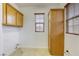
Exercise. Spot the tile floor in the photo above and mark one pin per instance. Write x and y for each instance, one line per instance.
(31, 52)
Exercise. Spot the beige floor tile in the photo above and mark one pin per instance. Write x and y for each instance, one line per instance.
(31, 52)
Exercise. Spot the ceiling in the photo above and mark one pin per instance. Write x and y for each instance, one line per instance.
(39, 4)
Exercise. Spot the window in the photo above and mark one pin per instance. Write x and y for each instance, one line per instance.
(39, 22)
(72, 22)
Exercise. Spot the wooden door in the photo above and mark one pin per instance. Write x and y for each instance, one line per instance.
(19, 19)
(57, 32)
(11, 15)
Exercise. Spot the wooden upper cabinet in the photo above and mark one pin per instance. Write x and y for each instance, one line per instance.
(4, 14)
(56, 32)
(19, 19)
(11, 16)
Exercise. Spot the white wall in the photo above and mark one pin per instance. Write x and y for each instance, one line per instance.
(1, 36)
(10, 37)
(71, 43)
(30, 38)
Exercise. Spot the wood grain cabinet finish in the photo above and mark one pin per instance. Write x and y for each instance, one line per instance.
(11, 16)
(56, 32)
(4, 14)
(19, 19)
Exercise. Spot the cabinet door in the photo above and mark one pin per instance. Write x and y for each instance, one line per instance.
(19, 19)
(4, 14)
(57, 32)
(11, 15)
(49, 32)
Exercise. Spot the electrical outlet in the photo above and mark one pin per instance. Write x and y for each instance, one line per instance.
(67, 50)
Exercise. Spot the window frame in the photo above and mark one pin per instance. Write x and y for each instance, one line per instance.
(40, 22)
(68, 19)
